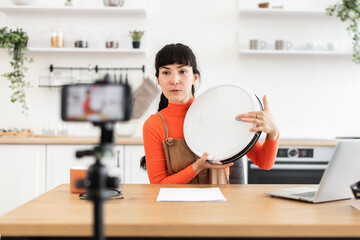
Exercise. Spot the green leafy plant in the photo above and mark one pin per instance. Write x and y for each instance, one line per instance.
(68, 3)
(16, 41)
(349, 11)
(136, 35)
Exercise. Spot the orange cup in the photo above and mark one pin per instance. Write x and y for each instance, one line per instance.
(77, 173)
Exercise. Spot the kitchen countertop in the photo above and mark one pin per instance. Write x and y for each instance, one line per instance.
(307, 142)
(71, 140)
(66, 140)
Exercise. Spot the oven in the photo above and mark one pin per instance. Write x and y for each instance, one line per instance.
(293, 165)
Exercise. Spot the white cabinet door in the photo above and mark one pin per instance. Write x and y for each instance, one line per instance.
(60, 158)
(133, 172)
(22, 174)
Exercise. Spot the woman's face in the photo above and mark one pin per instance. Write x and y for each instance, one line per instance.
(176, 81)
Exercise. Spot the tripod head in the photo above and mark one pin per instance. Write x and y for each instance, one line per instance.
(98, 181)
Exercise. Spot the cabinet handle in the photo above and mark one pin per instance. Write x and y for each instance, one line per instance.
(118, 158)
(294, 167)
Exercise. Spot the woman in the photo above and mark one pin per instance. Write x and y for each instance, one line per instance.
(168, 158)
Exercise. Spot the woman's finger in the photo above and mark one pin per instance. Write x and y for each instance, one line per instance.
(244, 115)
(257, 129)
(256, 113)
(250, 114)
(228, 165)
(219, 166)
(252, 120)
(203, 157)
(266, 104)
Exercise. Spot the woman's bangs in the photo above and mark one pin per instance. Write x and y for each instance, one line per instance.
(174, 55)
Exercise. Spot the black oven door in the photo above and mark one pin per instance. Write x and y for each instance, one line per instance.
(287, 173)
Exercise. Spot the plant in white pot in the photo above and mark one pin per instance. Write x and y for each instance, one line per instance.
(16, 42)
(349, 11)
(136, 38)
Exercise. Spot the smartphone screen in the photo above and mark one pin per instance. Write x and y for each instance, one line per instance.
(96, 102)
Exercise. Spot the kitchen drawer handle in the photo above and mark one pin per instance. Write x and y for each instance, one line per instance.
(294, 167)
(118, 158)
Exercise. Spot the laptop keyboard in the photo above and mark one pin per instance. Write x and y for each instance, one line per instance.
(305, 194)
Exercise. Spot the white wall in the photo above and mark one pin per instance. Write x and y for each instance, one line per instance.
(310, 96)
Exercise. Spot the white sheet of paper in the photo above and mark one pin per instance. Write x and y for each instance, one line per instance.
(190, 195)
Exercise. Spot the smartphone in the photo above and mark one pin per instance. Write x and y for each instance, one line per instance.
(96, 102)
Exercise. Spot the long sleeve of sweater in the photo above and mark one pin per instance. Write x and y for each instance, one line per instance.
(264, 154)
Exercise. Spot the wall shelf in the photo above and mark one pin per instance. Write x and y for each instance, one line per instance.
(86, 50)
(75, 10)
(284, 12)
(293, 52)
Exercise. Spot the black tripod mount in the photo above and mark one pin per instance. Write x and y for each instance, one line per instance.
(98, 182)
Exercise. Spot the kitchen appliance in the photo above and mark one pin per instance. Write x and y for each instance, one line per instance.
(294, 164)
(341, 172)
(211, 126)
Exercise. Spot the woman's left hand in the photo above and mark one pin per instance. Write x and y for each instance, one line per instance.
(263, 119)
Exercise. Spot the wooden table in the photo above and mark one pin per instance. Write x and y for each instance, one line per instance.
(248, 212)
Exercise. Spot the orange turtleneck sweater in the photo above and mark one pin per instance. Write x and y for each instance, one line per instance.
(262, 154)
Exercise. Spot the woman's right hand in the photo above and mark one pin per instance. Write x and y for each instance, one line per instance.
(201, 164)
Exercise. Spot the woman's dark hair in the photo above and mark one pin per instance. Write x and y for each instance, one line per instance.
(170, 54)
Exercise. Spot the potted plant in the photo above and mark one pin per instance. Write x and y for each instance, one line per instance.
(68, 3)
(136, 38)
(16, 42)
(349, 11)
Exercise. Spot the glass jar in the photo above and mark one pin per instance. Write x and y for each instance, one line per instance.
(57, 37)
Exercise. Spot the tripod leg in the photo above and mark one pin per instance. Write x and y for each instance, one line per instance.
(98, 220)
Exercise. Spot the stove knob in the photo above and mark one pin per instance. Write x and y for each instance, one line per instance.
(293, 152)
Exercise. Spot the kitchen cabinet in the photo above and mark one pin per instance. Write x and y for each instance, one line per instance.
(60, 158)
(22, 174)
(116, 165)
(124, 164)
(133, 172)
(27, 171)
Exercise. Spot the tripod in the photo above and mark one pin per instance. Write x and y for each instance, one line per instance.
(98, 181)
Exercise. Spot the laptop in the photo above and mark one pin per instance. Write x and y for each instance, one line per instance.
(342, 170)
